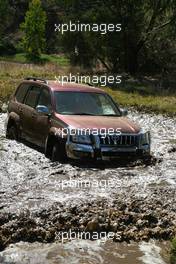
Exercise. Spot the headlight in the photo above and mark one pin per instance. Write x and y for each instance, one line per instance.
(145, 138)
(82, 139)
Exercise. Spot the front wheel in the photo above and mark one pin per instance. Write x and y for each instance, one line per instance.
(58, 152)
(12, 133)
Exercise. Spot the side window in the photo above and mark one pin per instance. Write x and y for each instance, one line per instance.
(45, 98)
(21, 92)
(32, 96)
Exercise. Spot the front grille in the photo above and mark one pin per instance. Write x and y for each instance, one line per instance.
(118, 140)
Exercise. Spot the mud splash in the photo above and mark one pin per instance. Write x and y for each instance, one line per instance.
(34, 206)
(88, 252)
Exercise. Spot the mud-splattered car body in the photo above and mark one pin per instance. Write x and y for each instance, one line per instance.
(67, 120)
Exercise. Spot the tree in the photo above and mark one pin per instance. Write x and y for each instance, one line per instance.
(3, 8)
(145, 24)
(34, 30)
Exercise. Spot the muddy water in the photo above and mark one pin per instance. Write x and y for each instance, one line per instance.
(144, 194)
(29, 180)
(86, 252)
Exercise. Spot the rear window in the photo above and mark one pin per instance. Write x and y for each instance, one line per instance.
(21, 92)
(32, 96)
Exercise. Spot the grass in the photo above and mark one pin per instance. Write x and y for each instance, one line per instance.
(11, 74)
(164, 104)
(143, 98)
(59, 60)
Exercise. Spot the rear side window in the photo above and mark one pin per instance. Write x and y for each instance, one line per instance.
(21, 92)
(32, 96)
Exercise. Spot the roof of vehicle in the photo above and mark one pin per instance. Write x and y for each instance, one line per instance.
(56, 86)
(66, 86)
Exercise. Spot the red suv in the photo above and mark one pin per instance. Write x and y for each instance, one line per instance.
(73, 120)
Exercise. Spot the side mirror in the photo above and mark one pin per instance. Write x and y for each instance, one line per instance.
(124, 112)
(42, 109)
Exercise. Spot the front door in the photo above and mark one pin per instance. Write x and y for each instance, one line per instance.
(41, 122)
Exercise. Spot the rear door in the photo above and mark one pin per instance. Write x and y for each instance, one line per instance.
(29, 112)
(18, 103)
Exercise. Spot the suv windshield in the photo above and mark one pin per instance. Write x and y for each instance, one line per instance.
(85, 103)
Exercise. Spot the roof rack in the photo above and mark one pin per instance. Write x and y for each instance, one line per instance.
(36, 79)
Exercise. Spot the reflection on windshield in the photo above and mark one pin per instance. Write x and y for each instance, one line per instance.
(85, 103)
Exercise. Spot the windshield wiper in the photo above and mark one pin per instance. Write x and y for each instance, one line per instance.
(111, 115)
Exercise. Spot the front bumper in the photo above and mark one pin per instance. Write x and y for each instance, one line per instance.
(83, 151)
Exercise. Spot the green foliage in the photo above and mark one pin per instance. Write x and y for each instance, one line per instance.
(44, 58)
(146, 43)
(146, 33)
(3, 14)
(34, 30)
(3, 22)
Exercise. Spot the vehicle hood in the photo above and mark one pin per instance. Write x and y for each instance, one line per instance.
(98, 122)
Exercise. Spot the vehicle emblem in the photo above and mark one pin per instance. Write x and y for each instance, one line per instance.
(115, 139)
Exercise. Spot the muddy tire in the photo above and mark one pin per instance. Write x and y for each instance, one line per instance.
(12, 133)
(58, 152)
